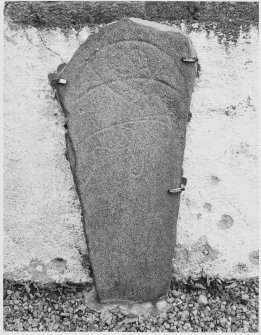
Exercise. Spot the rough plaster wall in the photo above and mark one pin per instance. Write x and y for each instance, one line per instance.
(218, 224)
(42, 221)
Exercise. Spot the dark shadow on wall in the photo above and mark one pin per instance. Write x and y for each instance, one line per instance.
(226, 18)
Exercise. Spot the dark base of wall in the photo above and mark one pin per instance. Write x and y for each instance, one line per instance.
(76, 14)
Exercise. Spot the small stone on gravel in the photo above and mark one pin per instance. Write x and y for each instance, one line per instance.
(170, 300)
(202, 300)
(245, 297)
(184, 315)
(176, 293)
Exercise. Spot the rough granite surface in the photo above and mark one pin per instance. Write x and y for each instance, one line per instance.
(127, 102)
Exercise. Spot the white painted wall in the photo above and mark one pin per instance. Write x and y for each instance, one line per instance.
(221, 162)
(42, 218)
(41, 211)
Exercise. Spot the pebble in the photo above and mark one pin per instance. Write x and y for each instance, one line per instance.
(245, 297)
(184, 315)
(212, 325)
(253, 317)
(195, 25)
(187, 325)
(170, 300)
(166, 325)
(223, 321)
(206, 313)
(176, 294)
(202, 300)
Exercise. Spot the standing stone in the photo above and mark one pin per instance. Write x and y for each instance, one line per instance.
(126, 100)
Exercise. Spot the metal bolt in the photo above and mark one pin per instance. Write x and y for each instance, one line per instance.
(62, 81)
(189, 60)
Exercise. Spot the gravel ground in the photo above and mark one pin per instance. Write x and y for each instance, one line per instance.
(202, 306)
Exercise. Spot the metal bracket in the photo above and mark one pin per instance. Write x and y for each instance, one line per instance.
(189, 60)
(58, 81)
(176, 190)
(179, 189)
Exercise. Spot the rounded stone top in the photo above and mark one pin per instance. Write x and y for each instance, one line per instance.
(164, 28)
(156, 25)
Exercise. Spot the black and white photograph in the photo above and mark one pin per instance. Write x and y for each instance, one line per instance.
(130, 166)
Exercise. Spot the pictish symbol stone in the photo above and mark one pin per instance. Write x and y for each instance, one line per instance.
(126, 100)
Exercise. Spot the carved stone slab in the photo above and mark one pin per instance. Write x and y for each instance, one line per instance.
(126, 99)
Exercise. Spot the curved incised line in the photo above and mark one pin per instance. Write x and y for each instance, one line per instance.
(127, 41)
(122, 123)
(101, 148)
(137, 41)
(129, 78)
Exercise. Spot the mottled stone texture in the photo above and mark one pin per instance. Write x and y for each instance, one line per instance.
(127, 101)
